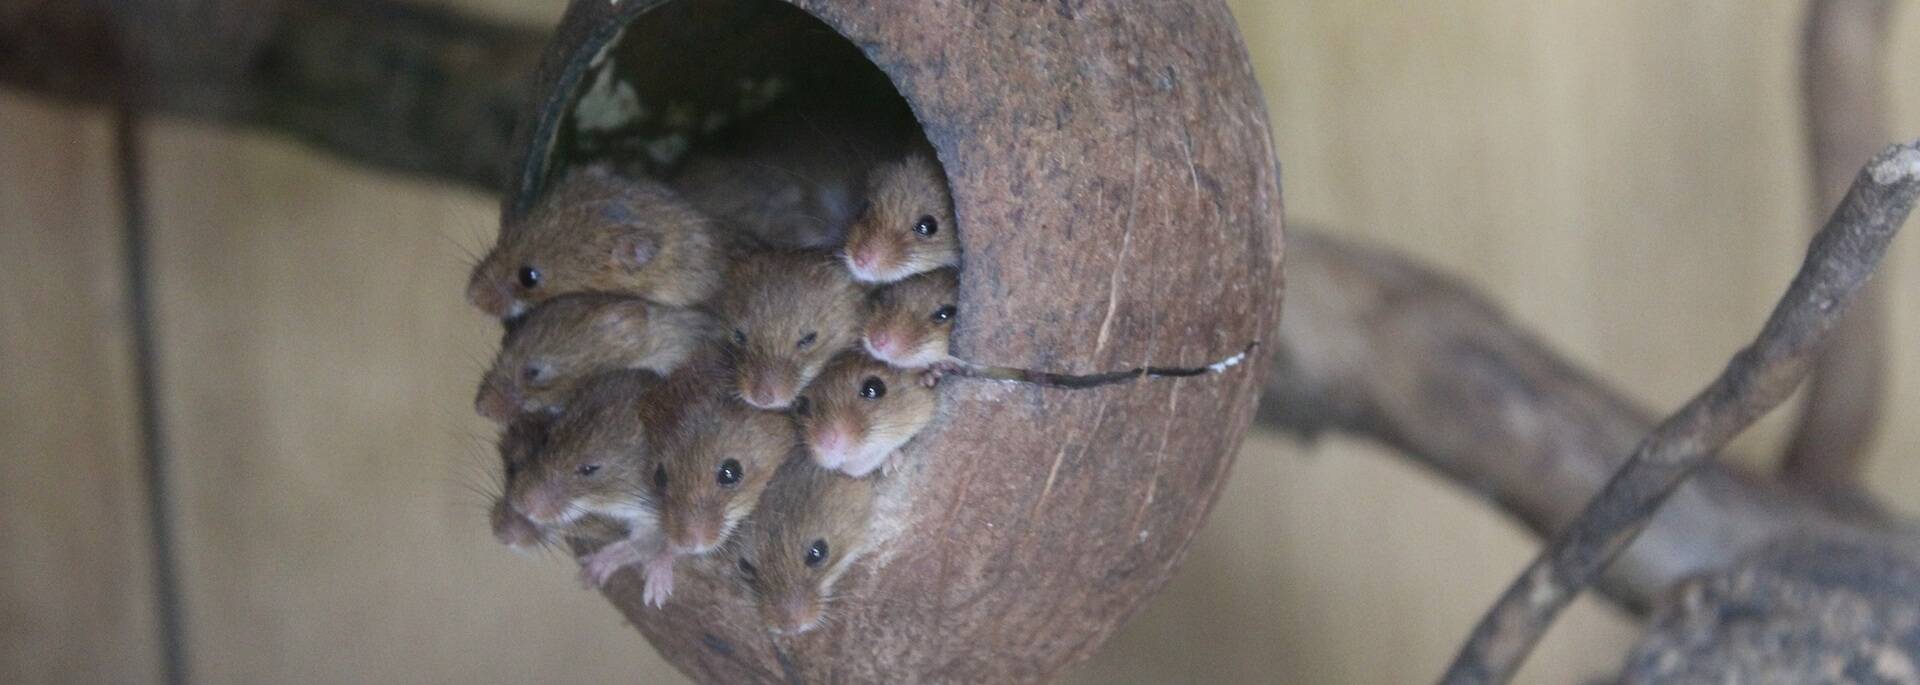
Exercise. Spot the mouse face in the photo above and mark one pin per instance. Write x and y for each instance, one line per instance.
(572, 337)
(711, 465)
(859, 411)
(910, 322)
(907, 226)
(812, 527)
(783, 315)
(596, 232)
(593, 461)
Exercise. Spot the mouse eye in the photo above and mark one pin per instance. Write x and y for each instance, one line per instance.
(729, 474)
(747, 569)
(802, 406)
(945, 314)
(660, 476)
(926, 226)
(739, 337)
(529, 277)
(817, 553)
(587, 469)
(513, 469)
(535, 373)
(806, 341)
(873, 388)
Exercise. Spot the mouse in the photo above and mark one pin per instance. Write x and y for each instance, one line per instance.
(860, 412)
(783, 315)
(812, 526)
(906, 225)
(569, 338)
(597, 231)
(711, 459)
(910, 322)
(593, 463)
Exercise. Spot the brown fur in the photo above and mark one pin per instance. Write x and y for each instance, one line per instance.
(569, 338)
(697, 513)
(871, 429)
(774, 300)
(882, 246)
(604, 428)
(901, 315)
(803, 504)
(597, 232)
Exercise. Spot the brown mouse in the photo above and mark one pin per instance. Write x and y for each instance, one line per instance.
(910, 322)
(569, 338)
(599, 232)
(784, 314)
(860, 411)
(907, 226)
(594, 462)
(711, 458)
(813, 525)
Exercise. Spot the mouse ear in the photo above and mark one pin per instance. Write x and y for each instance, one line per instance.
(635, 250)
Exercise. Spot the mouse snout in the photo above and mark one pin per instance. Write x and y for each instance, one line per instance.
(489, 296)
(882, 343)
(543, 506)
(765, 391)
(832, 443)
(695, 535)
(793, 615)
(496, 403)
(512, 528)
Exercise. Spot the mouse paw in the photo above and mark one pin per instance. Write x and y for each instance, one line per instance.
(659, 587)
(597, 568)
(891, 463)
(931, 377)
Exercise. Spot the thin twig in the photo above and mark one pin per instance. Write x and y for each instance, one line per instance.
(1844, 48)
(1843, 256)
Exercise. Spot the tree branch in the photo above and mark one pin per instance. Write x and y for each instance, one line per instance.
(391, 85)
(1840, 261)
(1844, 45)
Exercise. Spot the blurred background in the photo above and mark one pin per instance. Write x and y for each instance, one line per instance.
(1629, 179)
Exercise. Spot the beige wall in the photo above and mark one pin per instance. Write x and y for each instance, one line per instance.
(1626, 176)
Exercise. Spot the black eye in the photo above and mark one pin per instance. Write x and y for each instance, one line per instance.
(806, 340)
(926, 226)
(534, 373)
(802, 406)
(660, 477)
(587, 469)
(739, 337)
(945, 314)
(746, 568)
(817, 552)
(529, 277)
(873, 388)
(729, 474)
(512, 470)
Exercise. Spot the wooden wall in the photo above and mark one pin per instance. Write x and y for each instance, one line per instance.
(1627, 177)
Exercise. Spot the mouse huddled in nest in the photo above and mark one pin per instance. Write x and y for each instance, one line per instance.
(723, 363)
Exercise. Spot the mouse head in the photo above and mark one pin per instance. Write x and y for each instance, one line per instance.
(595, 231)
(783, 315)
(910, 322)
(570, 338)
(812, 527)
(907, 226)
(710, 466)
(593, 459)
(859, 411)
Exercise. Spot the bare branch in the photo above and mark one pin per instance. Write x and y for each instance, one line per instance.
(1844, 44)
(384, 83)
(1842, 258)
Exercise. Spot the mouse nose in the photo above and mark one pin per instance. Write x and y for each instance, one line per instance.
(765, 394)
(831, 444)
(496, 403)
(488, 297)
(512, 528)
(880, 343)
(696, 537)
(795, 615)
(542, 506)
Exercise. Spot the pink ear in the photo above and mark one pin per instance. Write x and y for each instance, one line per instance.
(636, 250)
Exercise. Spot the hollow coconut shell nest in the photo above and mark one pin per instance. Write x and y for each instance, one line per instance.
(1118, 204)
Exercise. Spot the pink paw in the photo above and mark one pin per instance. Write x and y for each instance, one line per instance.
(659, 581)
(597, 568)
